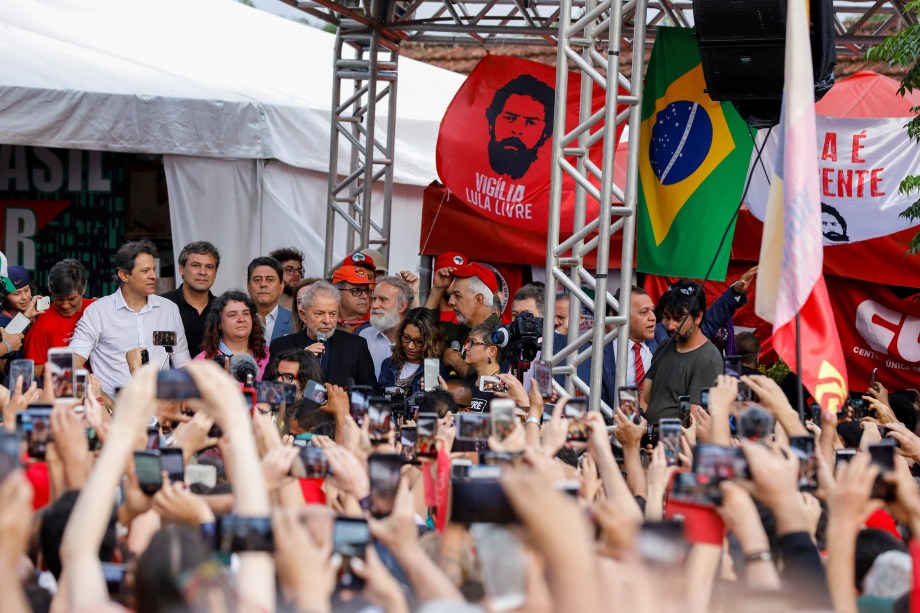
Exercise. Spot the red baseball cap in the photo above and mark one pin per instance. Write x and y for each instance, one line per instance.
(360, 259)
(452, 259)
(356, 275)
(475, 269)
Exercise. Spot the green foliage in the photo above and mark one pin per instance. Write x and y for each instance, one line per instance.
(903, 49)
(776, 371)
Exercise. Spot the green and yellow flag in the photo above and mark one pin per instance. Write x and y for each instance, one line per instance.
(693, 160)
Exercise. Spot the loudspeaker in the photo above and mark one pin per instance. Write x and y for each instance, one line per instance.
(743, 45)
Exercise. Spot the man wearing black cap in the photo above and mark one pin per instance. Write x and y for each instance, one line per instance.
(687, 364)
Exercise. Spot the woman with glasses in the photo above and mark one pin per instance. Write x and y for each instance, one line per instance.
(484, 357)
(232, 327)
(417, 338)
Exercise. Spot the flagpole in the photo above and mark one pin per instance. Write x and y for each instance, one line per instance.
(800, 392)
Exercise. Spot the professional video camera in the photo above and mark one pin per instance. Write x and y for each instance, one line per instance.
(521, 339)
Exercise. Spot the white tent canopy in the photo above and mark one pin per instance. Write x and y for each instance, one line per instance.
(194, 79)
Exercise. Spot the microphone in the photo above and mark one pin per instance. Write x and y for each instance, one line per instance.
(322, 338)
(455, 346)
(243, 368)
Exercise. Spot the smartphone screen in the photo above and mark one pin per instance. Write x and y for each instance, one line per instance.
(274, 393)
(543, 375)
(311, 463)
(426, 432)
(473, 426)
(501, 411)
(719, 463)
(9, 453)
(241, 534)
(81, 382)
(24, 369)
(164, 339)
(379, 413)
(172, 462)
(576, 410)
(628, 401)
(669, 433)
(34, 427)
(147, 468)
(492, 384)
(315, 392)
(683, 411)
(804, 448)
(407, 436)
(350, 538)
(61, 364)
(432, 371)
(704, 399)
(359, 396)
(732, 365)
(663, 543)
(176, 384)
(384, 472)
(153, 439)
(883, 457)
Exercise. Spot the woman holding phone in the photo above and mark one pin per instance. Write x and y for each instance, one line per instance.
(484, 357)
(417, 338)
(233, 326)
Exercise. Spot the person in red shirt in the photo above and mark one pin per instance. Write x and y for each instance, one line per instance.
(54, 327)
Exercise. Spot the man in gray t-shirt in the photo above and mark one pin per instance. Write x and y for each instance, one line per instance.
(685, 365)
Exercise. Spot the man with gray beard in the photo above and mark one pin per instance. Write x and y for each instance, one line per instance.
(389, 303)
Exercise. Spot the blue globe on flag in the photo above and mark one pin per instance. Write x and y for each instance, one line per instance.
(681, 139)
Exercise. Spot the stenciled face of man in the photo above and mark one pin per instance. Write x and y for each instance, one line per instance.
(641, 318)
(265, 286)
(199, 271)
(321, 316)
(461, 299)
(516, 136)
(832, 229)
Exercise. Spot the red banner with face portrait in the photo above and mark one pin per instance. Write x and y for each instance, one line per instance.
(495, 144)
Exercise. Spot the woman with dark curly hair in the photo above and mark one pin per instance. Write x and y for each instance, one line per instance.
(233, 326)
(417, 338)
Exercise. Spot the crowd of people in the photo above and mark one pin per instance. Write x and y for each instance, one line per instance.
(362, 443)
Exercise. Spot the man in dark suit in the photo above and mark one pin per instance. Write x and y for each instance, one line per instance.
(642, 345)
(344, 358)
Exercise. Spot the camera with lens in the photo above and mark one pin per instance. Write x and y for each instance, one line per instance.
(521, 338)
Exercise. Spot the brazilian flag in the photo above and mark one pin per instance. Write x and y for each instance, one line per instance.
(693, 160)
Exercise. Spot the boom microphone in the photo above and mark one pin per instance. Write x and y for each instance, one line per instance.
(243, 368)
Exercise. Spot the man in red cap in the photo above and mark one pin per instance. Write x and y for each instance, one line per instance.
(354, 282)
(470, 290)
(451, 259)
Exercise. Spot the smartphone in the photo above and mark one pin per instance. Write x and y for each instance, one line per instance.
(311, 463)
(492, 384)
(548, 409)
(145, 356)
(459, 467)
(245, 534)
(683, 411)
(114, 575)
(171, 461)
(874, 378)
(81, 383)
(426, 431)
(501, 458)
(315, 392)
(473, 430)
(164, 339)
(669, 433)
(576, 411)
(804, 448)
(860, 408)
(153, 439)
(61, 364)
(732, 365)
(34, 427)
(543, 375)
(816, 413)
(384, 470)
(147, 467)
(358, 396)
(704, 399)
(407, 436)
(431, 373)
(205, 474)
(718, 463)
(663, 544)
(24, 369)
(9, 453)
(628, 401)
(479, 498)
(501, 411)
(176, 384)
(275, 393)
(18, 324)
(883, 457)
(350, 539)
(844, 455)
(379, 414)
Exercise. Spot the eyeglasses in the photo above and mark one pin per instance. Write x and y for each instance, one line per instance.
(470, 343)
(357, 291)
(415, 342)
(290, 270)
(286, 377)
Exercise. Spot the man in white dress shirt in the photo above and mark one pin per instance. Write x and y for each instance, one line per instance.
(114, 329)
(389, 303)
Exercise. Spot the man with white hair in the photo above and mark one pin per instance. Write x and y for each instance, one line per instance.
(470, 293)
(344, 358)
(389, 302)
